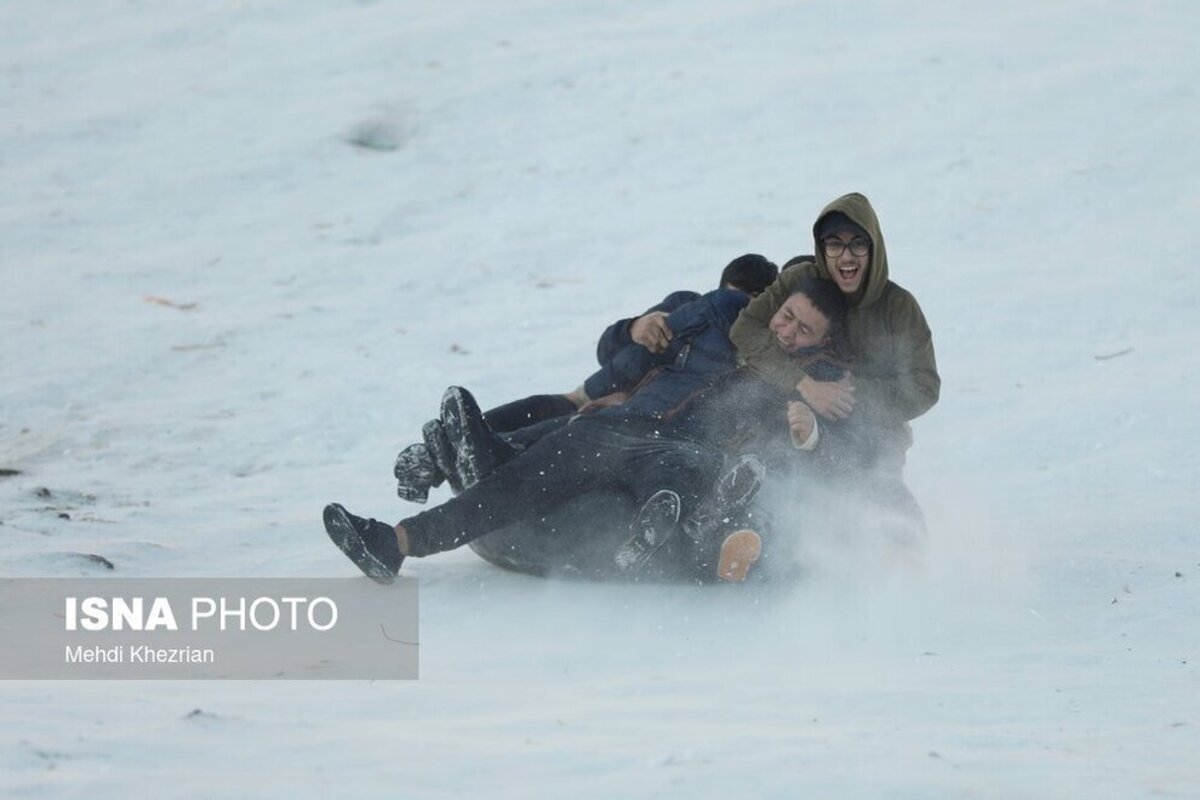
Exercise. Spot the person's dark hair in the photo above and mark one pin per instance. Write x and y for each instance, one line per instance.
(751, 273)
(831, 302)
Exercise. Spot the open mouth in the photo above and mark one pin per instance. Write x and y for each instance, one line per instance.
(848, 273)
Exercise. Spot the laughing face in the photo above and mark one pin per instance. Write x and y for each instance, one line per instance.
(798, 324)
(848, 256)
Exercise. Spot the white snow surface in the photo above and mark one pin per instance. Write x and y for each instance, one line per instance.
(553, 167)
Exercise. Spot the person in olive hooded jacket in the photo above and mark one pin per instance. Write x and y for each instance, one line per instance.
(893, 376)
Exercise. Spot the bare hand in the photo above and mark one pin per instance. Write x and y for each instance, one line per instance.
(651, 331)
(800, 421)
(833, 400)
(614, 399)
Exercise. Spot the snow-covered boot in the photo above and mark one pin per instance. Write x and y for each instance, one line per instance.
(727, 504)
(370, 544)
(651, 529)
(477, 448)
(416, 473)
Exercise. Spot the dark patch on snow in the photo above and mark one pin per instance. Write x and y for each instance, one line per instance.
(44, 754)
(99, 559)
(378, 135)
(199, 713)
(1117, 354)
(63, 498)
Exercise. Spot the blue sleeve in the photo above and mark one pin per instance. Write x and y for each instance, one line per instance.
(622, 363)
(674, 300)
(616, 336)
(624, 370)
(718, 308)
(727, 305)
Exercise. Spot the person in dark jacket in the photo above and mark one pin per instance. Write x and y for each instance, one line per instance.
(660, 456)
(627, 350)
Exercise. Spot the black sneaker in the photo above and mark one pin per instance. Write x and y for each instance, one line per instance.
(441, 453)
(370, 544)
(732, 492)
(738, 485)
(416, 473)
(651, 529)
(477, 448)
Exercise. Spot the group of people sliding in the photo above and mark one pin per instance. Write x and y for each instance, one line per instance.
(804, 376)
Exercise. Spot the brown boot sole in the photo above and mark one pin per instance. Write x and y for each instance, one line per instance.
(739, 551)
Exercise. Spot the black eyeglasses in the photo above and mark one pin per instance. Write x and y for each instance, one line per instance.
(835, 247)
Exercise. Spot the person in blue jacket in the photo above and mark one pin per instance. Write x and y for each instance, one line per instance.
(627, 350)
(635, 447)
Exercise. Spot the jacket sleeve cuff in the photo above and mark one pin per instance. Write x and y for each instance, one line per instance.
(814, 437)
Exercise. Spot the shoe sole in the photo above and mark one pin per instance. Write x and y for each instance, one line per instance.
(730, 497)
(415, 473)
(463, 423)
(660, 517)
(348, 540)
(412, 494)
(742, 484)
(739, 551)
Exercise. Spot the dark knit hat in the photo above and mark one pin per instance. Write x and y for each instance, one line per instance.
(837, 221)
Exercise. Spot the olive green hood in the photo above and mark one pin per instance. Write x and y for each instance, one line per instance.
(858, 208)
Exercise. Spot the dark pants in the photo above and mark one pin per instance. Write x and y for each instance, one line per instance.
(528, 411)
(522, 422)
(587, 454)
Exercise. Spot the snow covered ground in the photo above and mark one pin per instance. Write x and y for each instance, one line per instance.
(539, 170)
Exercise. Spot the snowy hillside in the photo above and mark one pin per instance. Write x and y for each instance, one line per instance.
(245, 245)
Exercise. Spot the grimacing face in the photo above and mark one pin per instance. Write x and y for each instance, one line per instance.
(847, 270)
(798, 324)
